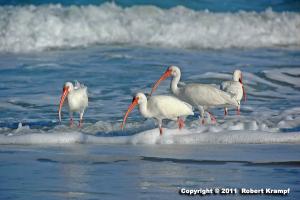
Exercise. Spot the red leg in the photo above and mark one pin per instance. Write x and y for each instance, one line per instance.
(160, 130)
(202, 121)
(238, 112)
(71, 122)
(180, 123)
(80, 123)
(212, 117)
(225, 111)
(80, 120)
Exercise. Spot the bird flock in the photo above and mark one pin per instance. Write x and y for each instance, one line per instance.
(184, 100)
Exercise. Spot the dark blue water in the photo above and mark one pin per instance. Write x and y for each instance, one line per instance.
(142, 172)
(214, 6)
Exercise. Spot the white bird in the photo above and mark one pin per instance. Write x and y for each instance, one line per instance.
(77, 100)
(235, 88)
(160, 107)
(201, 96)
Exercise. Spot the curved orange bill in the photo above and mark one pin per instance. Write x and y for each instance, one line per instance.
(163, 77)
(62, 99)
(244, 92)
(130, 108)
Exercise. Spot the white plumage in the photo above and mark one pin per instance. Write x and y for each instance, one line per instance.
(77, 100)
(235, 88)
(160, 107)
(201, 96)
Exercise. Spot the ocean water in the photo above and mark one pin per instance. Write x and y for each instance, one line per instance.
(120, 48)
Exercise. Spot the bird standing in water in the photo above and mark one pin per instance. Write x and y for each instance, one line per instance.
(160, 107)
(201, 96)
(77, 100)
(235, 88)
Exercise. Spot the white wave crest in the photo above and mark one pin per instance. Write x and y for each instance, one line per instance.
(35, 28)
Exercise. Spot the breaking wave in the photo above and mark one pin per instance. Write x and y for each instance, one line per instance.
(36, 28)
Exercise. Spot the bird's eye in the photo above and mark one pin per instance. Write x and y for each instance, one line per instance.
(135, 99)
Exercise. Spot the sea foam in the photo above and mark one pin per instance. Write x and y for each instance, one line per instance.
(170, 136)
(35, 28)
(233, 130)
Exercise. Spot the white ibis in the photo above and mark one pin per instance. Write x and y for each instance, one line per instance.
(77, 100)
(160, 107)
(235, 88)
(201, 96)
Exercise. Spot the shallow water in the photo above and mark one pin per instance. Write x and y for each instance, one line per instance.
(145, 171)
(117, 50)
(32, 83)
(101, 161)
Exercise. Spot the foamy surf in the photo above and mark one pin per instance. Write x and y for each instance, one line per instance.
(36, 28)
(259, 127)
(170, 136)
